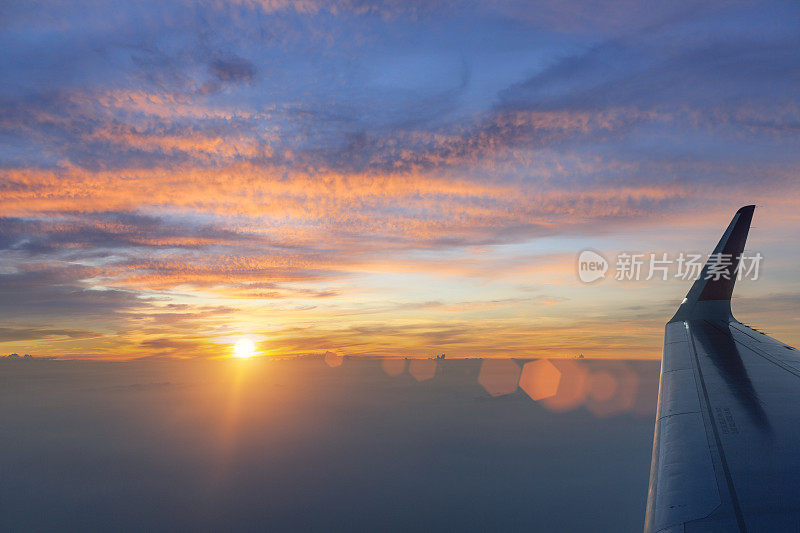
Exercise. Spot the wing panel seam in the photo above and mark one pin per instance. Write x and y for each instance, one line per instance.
(726, 471)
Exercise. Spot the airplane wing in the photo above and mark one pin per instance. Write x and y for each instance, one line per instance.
(726, 449)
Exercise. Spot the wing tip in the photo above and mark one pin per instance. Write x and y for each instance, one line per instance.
(711, 297)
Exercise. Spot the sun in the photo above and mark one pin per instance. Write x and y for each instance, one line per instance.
(244, 348)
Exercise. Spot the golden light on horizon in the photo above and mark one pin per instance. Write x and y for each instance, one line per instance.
(244, 348)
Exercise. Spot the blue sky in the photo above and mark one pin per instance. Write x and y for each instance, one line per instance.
(383, 178)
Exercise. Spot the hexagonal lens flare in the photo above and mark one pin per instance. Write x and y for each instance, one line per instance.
(499, 376)
(540, 379)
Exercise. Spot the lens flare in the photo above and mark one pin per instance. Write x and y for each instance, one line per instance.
(244, 348)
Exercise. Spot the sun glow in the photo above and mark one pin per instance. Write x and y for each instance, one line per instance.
(244, 348)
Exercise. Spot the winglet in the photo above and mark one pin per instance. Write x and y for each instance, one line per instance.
(710, 296)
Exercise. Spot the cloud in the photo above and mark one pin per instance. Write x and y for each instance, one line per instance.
(18, 334)
(232, 70)
(47, 291)
(305, 153)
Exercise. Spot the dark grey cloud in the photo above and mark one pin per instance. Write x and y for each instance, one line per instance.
(722, 72)
(95, 232)
(232, 70)
(39, 291)
(26, 334)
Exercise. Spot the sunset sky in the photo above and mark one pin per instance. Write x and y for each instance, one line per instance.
(385, 178)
